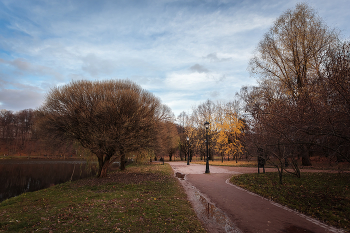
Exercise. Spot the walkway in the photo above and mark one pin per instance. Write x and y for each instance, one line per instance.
(241, 211)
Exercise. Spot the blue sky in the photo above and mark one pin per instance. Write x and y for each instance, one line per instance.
(184, 52)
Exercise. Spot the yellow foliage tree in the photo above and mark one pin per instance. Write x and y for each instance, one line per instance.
(228, 127)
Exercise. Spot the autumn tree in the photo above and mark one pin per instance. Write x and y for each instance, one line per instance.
(167, 135)
(224, 131)
(228, 128)
(110, 118)
(288, 62)
(172, 139)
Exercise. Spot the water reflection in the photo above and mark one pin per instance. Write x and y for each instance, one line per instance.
(19, 176)
(207, 211)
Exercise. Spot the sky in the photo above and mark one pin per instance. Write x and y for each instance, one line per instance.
(184, 52)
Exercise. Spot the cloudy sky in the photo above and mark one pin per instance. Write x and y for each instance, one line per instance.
(184, 52)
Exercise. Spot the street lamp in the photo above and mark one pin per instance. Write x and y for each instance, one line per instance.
(188, 155)
(206, 124)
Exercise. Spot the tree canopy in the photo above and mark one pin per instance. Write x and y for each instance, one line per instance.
(110, 118)
(299, 105)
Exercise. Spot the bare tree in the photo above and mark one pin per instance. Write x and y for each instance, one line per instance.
(290, 59)
(110, 118)
(167, 135)
(25, 122)
(168, 139)
(182, 119)
(331, 123)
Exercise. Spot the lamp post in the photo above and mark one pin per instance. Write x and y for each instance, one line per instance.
(206, 124)
(188, 155)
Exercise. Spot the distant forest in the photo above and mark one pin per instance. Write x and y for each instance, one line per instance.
(20, 137)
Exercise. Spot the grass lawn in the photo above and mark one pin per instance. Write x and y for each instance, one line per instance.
(229, 163)
(324, 196)
(143, 198)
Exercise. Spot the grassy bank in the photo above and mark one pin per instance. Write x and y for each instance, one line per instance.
(323, 196)
(239, 163)
(145, 198)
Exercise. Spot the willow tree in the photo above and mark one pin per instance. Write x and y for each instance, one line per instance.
(110, 118)
(291, 56)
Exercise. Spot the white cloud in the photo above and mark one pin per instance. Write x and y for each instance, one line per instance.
(16, 100)
(192, 81)
(183, 51)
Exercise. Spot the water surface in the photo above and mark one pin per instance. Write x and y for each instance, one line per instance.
(19, 176)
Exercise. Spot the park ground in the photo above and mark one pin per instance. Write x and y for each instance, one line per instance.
(151, 198)
(317, 202)
(146, 197)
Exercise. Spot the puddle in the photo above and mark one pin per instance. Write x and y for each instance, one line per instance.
(215, 215)
(180, 175)
(213, 218)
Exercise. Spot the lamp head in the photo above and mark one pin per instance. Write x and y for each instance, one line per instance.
(206, 124)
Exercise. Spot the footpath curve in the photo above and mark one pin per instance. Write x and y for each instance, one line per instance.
(224, 207)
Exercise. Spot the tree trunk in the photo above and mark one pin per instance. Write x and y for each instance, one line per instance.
(181, 156)
(170, 157)
(296, 167)
(102, 167)
(305, 159)
(122, 161)
(280, 174)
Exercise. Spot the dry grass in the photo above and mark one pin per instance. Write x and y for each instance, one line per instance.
(230, 163)
(325, 196)
(145, 198)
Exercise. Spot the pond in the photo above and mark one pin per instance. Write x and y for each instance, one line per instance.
(20, 176)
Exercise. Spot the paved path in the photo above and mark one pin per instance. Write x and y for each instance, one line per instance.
(247, 211)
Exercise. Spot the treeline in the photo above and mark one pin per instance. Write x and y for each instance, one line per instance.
(15, 130)
(301, 105)
(300, 108)
(20, 136)
(110, 120)
(225, 132)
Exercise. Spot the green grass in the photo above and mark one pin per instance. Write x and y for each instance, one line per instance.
(145, 198)
(324, 196)
(231, 163)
